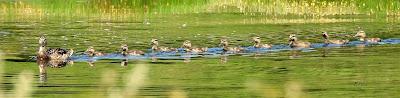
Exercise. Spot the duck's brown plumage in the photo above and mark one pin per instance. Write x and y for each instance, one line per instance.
(53, 57)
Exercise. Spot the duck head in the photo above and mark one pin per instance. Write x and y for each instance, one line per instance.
(187, 44)
(90, 51)
(154, 41)
(360, 34)
(224, 42)
(257, 39)
(124, 47)
(325, 35)
(42, 41)
(292, 38)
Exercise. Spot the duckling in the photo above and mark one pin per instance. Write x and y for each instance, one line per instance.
(257, 43)
(225, 46)
(295, 43)
(155, 47)
(55, 58)
(329, 41)
(187, 45)
(92, 52)
(363, 37)
(126, 51)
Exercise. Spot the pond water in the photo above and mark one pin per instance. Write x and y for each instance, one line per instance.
(352, 70)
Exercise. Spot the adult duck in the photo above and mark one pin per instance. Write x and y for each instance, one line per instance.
(53, 57)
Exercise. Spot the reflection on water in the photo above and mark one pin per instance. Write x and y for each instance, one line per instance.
(325, 51)
(91, 61)
(360, 48)
(43, 77)
(186, 57)
(223, 58)
(295, 53)
(124, 62)
(153, 58)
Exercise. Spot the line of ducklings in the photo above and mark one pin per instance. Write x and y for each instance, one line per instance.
(294, 42)
(58, 57)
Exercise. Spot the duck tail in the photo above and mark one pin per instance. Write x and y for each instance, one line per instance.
(70, 52)
(205, 49)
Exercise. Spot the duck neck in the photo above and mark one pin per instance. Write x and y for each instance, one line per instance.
(257, 44)
(362, 38)
(42, 49)
(225, 46)
(326, 40)
(124, 53)
(154, 47)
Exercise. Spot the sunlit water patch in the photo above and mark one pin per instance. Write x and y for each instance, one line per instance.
(216, 51)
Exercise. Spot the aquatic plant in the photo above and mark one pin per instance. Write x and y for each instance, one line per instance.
(128, 9)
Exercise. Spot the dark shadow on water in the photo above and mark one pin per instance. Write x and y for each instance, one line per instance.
(57, 92)
(114, 62)
(281, 59)
(314, 90)
(69, 85)
(43, 77)
(162, 62)
(19, 60)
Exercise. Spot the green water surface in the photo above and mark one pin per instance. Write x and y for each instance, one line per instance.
(371, 71)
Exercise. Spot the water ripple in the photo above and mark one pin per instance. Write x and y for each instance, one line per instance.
(218, 51)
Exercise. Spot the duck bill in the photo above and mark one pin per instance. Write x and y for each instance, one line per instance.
(290, 42)
(325, 36)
